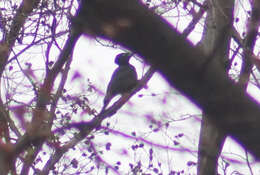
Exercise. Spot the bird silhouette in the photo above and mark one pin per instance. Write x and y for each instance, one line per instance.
(123, 79)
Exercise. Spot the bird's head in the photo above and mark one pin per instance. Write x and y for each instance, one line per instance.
(123, 58)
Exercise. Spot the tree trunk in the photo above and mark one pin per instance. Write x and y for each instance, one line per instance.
(216, 38)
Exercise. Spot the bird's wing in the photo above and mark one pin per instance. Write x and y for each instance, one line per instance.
(123, 79)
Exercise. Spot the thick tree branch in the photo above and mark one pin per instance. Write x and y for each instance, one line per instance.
(6, 45)
(185, 67)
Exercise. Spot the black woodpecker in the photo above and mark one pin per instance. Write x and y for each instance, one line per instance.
(123, 80)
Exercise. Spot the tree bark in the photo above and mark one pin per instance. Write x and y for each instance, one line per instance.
(217, 28)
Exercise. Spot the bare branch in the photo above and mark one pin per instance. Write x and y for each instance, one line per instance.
(196, 18)
(87, 128)
(252, 32)
(33, 134)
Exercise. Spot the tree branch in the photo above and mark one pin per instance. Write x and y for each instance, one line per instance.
(185, 67)
(87, 127)
(252, 32)
(40, 115)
